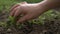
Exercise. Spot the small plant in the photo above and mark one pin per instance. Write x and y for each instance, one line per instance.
(26, 27)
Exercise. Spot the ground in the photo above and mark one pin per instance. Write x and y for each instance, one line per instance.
(49, 27)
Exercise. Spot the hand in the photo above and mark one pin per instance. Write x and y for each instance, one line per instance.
(30, 11)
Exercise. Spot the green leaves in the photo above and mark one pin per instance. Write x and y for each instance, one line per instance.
(11, 21)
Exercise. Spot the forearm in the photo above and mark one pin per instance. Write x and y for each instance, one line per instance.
(51, 3)
(48, 4)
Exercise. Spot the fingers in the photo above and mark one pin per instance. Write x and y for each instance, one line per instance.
(25, 18)
(18, 5)
(13, 11)
(17, 12)
(14, 6)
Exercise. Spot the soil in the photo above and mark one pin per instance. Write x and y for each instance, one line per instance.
(49, 27)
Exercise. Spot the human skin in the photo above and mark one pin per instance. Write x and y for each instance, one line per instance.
(31, 11)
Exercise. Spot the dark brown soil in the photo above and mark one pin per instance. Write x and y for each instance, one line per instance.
(49, 27)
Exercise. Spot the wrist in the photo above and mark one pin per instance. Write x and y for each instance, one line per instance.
(50, 4)
(43, 6)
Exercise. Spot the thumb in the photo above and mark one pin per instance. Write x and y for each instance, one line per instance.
(24, 18)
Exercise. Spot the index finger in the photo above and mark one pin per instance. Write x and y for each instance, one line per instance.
(14, 7)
